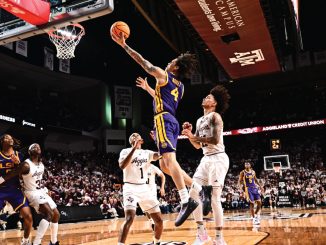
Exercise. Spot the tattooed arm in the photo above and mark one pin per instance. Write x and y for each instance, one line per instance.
(155, 71)
(217, 125)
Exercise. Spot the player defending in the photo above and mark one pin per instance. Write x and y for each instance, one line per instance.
(168, 92)
(135, 163)
(9, 183)
(32, 173)
(152, 172)
(248, 178)
(214, 165)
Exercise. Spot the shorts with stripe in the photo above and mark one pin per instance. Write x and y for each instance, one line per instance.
(212, 170)
(166, 132)
(14, 196)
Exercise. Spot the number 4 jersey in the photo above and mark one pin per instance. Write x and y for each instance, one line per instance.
(137, 171)
(32, 180)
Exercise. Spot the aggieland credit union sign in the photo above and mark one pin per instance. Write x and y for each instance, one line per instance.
(236, 33)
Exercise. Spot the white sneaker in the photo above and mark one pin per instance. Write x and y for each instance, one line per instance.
(219, 241)
(25, 243)
(201, 238)
(256, 221)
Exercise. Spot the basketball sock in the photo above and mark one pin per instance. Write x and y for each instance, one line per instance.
(121, 243)
(218, 234)
(201, 228)
(54, 232)
(42, 227)
(184, 195)
(156, 241)
(197, 187)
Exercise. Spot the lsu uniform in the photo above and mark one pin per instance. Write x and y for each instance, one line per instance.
(167, 97)
(135, 176)
(32, 189)
(10, 190)
(214, 166)
(251, 189)
(152, 172)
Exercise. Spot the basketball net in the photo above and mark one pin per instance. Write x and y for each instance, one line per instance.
(66, 39)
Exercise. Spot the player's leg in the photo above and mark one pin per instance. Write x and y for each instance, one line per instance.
(201, 235)
(47, 212)
(186, 177)
(157, 217)
(19, 202)
(124, 230)
(218, 168)
(54, 226)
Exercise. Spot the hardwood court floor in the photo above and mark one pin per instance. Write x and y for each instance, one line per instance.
(286, 226)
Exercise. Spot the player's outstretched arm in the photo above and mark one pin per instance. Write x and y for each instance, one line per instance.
(240, 181)
(19, 170)
(142, 83)
(155, 71)
(162, 189)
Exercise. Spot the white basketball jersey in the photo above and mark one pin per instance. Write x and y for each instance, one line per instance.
(32, 180)
(137, 171)
(152, 172)
(204, 128)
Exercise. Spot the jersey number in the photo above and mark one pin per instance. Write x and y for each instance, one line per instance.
(141, 173)
(38, 182)
(175, 93)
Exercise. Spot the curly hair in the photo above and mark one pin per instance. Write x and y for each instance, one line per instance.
(187, 64)
(222, 97)
(16, 141)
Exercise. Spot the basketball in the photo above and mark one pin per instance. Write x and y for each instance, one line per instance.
(120, 27)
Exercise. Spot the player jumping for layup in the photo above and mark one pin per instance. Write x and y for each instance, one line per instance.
(168, 93)
(249, 179)
(9, 183)
(135, 164)
(215, 163)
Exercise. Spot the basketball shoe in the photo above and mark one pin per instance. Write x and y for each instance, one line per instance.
(185, 211)
(201, 238)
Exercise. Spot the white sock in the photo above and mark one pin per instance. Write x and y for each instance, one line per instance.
(201, 228)
(197, 187)
(42, 227)
(156, 240)
(218, 234)
(54, 232)
(198, 212)
(184, 195)
(121, 243)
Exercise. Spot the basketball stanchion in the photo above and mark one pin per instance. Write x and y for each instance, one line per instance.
(66, 39)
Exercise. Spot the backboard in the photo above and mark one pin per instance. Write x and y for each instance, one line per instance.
(62, 12)
(276, 160)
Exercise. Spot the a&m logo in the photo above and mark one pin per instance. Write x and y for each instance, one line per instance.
(248, 58)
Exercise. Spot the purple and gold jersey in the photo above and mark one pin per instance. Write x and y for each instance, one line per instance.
(168, 95)
(6, 165)
(249, 179)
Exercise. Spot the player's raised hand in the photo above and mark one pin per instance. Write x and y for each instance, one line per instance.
(138, 142)
(142, 83)
(187, 125)
(187, 133)
(14, 159)
(119, 39)
(152, 134)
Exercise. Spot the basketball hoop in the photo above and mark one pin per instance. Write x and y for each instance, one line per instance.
(66, 39)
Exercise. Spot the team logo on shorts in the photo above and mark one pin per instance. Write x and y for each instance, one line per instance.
(162, 243)
(164, 145)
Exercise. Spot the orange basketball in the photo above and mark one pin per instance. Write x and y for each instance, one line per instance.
(120, 27)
